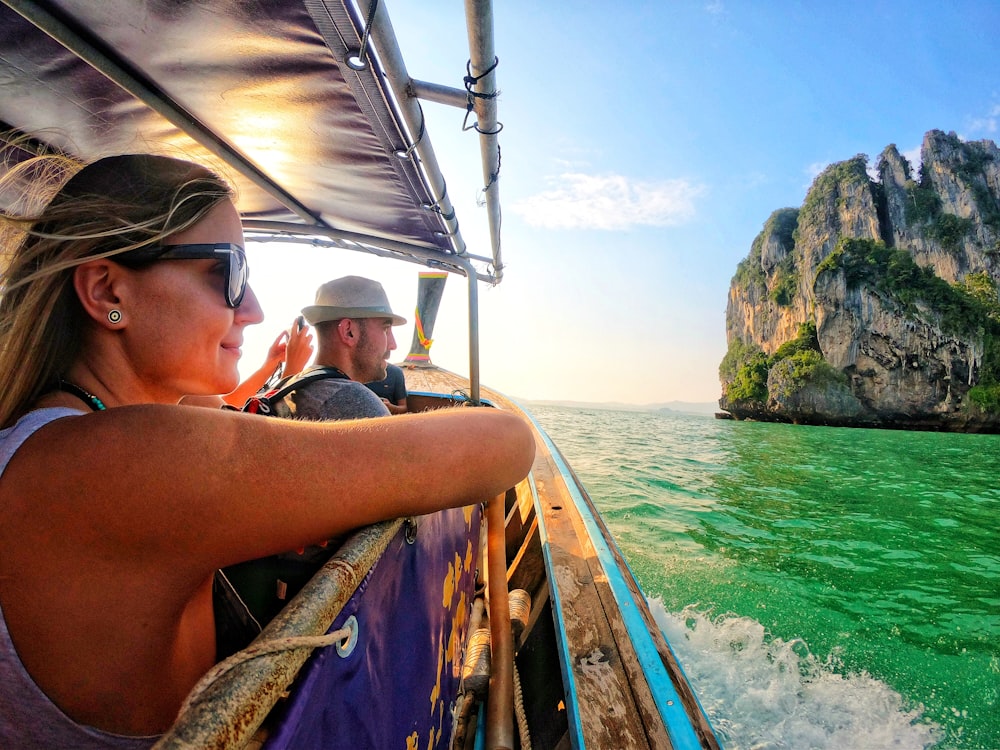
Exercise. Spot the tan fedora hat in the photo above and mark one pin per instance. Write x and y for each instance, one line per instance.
(350, 297)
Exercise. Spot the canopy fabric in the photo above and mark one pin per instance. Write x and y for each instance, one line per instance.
(260, 91)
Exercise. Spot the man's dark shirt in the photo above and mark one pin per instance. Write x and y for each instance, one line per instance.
(392, 387)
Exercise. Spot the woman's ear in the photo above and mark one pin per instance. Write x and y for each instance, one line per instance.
(95, 283)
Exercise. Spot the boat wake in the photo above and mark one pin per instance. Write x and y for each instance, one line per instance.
(764, 693)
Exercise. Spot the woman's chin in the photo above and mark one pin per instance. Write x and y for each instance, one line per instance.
(223, 385)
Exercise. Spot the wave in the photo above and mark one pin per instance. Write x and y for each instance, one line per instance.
(766, 693)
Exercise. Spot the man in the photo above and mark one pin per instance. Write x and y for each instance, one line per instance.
(391, 389)
(353, 324)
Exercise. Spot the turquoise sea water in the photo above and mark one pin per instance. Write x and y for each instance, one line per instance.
(823, 587)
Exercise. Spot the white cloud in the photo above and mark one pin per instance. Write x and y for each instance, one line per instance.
(611, 202)
(814, 169)
(912, 155)
(987, 124)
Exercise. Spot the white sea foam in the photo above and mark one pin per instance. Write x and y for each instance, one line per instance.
(765, 693)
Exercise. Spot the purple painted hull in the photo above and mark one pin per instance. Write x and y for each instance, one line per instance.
(398, 686)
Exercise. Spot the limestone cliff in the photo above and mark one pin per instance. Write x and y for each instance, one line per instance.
(875, 303)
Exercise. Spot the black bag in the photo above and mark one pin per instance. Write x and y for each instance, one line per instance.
(235, 625)
(272, 401)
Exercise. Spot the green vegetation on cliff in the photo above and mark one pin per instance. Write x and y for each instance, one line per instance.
(825, 193)
(986, 395)
(971, 169)
(804, 367)
(804, 341)
(779, 227)
(970, 309)
(743, 372)
(786, 282)
(923, 204)
(923, 208)
(949, 230)
(745, 368)
(894, 273)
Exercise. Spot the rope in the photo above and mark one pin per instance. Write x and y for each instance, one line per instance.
(406, 154)
(436, 205)
(257, 650)
(494, 176)
(362, 53)
(520, 610)
(476, 670)
(470, 81)
(522, 719)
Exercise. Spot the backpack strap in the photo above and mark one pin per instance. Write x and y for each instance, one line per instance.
(264, 402)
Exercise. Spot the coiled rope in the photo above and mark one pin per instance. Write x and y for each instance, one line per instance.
(522, 719)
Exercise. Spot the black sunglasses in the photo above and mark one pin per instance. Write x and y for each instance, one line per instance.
(236, 264)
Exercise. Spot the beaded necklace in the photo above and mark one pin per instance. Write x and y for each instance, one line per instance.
(88, 398)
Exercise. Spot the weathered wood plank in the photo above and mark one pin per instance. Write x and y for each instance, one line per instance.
(527, 569)
(611, 718)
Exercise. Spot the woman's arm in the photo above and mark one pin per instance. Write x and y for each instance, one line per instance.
(205, 488)
(114, 522)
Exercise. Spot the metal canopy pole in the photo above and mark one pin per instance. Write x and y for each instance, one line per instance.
(432, 258)
(473, 332)
(436, 92)
(383, 39)
(479, 19)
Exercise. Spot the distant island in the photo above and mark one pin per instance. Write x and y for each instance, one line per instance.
(669, 407)
(875, 304)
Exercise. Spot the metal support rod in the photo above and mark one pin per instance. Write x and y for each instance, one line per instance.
(473, 333)
(479, 19)
(500, 704)
(286, 232)
(435, 92)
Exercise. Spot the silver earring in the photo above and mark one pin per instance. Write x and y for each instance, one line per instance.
(115, 316)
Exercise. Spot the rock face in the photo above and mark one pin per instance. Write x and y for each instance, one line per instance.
(875, 303)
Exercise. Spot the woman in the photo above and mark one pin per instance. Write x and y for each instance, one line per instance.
(126, 293)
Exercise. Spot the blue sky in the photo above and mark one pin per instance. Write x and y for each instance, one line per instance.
(644, 146)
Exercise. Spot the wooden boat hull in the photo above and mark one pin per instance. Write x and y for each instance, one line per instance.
(621, 684)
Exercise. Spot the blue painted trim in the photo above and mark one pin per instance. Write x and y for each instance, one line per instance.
(570, 696)
(480, 743)
(668, 702)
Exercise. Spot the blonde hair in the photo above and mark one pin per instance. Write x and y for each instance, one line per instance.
(112, 206)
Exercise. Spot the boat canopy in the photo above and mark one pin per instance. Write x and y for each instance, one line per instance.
(304, 105)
